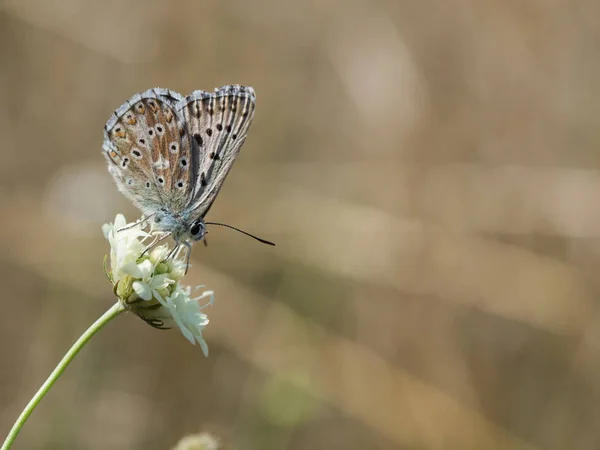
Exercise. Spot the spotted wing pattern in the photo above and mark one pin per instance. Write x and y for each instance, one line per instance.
(148, 151)
(170, 152)
(218, 123)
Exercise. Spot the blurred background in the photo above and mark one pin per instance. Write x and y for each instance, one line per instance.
(429, 171)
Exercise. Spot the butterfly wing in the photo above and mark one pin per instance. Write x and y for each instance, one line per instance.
(148, 151)
(217, 123)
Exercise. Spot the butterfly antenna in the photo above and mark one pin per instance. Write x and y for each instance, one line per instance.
(264, 241)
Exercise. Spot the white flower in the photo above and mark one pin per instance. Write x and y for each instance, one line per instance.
(125, 246)
(188, 315)
(147, 282)
(202, 441)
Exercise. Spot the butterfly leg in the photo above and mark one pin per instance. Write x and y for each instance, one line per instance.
(136, 223)
(156, 240)
(173, 250)
(189, 255)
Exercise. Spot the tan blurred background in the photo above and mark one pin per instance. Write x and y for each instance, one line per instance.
(429, 170)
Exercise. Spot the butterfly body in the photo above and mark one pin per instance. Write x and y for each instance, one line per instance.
(170, 154)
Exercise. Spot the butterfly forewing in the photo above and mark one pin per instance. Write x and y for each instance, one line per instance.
(218, 124)
(148, 150)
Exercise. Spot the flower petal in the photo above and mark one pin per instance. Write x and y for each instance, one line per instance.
(131, 268)
(146, 268)
(203, 345)
(142, 290)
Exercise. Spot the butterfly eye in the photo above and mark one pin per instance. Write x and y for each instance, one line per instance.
(197, 230)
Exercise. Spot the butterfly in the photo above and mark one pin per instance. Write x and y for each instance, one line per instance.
(170, 154)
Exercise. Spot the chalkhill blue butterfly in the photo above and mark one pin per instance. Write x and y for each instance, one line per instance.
(170, 154)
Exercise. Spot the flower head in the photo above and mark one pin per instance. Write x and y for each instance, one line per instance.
(147, 282)
(201, 441)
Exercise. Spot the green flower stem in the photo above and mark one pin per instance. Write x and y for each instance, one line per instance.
(113, 312)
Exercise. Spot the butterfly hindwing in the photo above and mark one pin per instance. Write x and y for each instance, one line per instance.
(218, 124)
(149, 153)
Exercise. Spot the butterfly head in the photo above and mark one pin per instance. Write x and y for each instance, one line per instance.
(181, 228)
